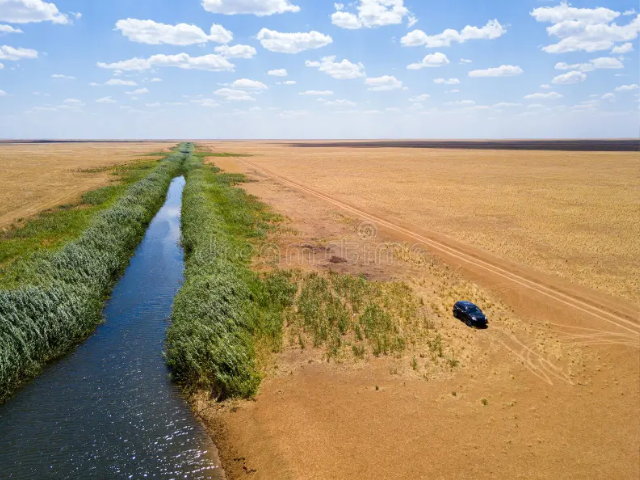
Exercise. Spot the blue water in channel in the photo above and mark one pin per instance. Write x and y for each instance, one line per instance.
(109, 409)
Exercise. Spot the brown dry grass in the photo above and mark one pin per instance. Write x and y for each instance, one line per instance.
(527, 399)
(36, 177)
(572, 214)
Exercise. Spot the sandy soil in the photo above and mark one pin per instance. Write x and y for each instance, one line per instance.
(36, 177)
(570, 214)
(562, 398)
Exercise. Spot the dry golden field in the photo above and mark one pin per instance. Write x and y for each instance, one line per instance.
(547, 391)
(572, 214)
(36, 177)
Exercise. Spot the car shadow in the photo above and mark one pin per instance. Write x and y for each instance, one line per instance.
(477, 327)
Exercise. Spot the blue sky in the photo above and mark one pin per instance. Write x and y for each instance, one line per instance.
(318, 69)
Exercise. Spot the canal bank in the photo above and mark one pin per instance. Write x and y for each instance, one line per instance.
(109, 409)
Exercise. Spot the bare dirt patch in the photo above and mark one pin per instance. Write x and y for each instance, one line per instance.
(527, 398)
(36, 177)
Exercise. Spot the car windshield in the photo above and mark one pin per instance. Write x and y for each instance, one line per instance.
(473, 309)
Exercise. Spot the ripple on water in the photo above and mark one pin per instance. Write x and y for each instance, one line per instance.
(109, 410)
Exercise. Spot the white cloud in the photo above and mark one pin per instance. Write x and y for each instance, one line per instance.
(1, 66)
(607, 62)
(73, 101)
(251, 7)
(236, 51)
(338, 103)
(501, 71)
(9, 29)
(138, 91)
(432, 60)
(246, 84)
(570, 77)
(420, 98)
(234, 95)
(626, 88)
(451, 81)
(281, 72)
(544, 96)
(564, 11)
(343, 70)
(287, 82)
(317, 93)
(545, 85)
(31, 11)
(156, 79)
(11, 53)
(292, 42)
(490, 31)
(2, 93)
(621, 49)
(608, 96)
(452, 91)
(382, 84)
(465, 60)
(118, 82)
(584, 29)
(61, 76)
(602, 62)
(631, 11)
(153, 105)
(206, 102)
(346, 20)
(153, 33)
(372, 13)
(214, 63)
(105, 100)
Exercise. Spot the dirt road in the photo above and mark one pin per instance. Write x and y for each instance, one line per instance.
(582, 313)
(550, 390)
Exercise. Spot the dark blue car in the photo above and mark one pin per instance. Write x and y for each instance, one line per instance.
(470, 314)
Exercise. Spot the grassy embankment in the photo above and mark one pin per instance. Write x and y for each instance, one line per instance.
(222, 305)
(58, 268)
(226, 314)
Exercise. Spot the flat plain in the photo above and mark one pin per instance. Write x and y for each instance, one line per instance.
(573, 214)
(39, 176)
(549, 390)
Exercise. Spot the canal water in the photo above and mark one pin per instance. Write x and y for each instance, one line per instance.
(109, 410)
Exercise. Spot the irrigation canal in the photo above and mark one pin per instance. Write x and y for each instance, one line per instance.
(109, 410)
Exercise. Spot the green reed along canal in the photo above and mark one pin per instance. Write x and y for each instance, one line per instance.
(109, 409)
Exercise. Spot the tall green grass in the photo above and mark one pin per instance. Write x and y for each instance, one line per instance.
(223, 307)
(226, 316)
(347, 314)
(60, 294)
(52, 229)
